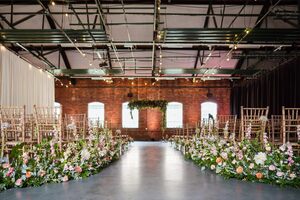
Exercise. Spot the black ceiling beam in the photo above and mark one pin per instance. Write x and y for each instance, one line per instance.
(258, 23)
(146, 48)
(195, 2)
(27, 18)
(61, 50)
(32, 49)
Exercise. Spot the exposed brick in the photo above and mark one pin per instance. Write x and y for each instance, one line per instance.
(75, 99)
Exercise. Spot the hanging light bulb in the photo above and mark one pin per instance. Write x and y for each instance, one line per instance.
(66, 14)
(235, 47)
(53, 3)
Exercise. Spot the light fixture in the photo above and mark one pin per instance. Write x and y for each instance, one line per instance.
(210, 96)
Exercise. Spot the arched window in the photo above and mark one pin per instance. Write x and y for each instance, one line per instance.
(96, 113)
(127, 121)
(208, 108)
(174, 115)
(57, 109)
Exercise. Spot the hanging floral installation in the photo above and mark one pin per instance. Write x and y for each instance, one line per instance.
(146, 104)
(46, 163)
(249, 160)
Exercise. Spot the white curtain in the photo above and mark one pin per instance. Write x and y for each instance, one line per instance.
(22, 84)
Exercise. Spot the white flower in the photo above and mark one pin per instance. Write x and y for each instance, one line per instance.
(224, 155)
(251, 165)
(85, 154)
(260, 158)
(5, 125)
(292, 175)
(268, 148)
(233, 162)
(71, 126)
(282, 147)
(118, 132)
(212, 167)
(279, 174)
(272, 168)
(263, 118)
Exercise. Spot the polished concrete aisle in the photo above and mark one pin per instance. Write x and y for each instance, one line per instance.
(153, 171)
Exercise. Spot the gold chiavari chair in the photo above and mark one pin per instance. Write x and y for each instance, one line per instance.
(48, 123)
(290, 126)
(257, 117)
(74, 126)
(276, 129)
(222, 120)
(12, 121)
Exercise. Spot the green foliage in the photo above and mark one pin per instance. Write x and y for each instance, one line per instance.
(46, 163)
(146, 104)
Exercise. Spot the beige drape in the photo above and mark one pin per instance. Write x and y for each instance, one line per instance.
(22, 84)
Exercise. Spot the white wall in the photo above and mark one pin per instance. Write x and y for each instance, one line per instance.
(22, 84)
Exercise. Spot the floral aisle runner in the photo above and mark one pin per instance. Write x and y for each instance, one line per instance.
(246, 160)
(45, 163)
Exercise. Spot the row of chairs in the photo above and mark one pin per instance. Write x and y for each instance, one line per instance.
(45, 122)
(280, 128)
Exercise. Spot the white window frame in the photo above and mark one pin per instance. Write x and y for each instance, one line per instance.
(170, 123)
(127, 121)
(99, 117)
(207, 108)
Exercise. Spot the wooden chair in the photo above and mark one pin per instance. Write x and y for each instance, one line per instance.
(290, 123)
(256, 117)
(276, 130)
(48, 123)
(12, 120)
(74, 124)
(222, 120)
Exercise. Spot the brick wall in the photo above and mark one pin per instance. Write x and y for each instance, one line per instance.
(75, 99)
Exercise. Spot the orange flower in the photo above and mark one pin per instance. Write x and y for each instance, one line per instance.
(218, 160)
(239, 170)
(28, 174)
(259, 175)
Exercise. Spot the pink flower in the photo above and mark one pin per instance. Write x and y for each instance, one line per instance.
(10, 171)
(290, 161)
(71, 168)
(42, 173)
(272, 168)
(251, 165)
(279, 174)
(65, 178)
(18, 182)
(78, 169)
(25, 161)
(6, 165)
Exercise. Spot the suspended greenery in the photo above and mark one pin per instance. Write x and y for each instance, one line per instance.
(145, 104)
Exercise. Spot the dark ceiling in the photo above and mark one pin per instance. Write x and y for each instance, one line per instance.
(207, 39)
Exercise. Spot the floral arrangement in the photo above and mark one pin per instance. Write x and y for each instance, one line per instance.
(145, 104)
(248, 160)
(45, 163)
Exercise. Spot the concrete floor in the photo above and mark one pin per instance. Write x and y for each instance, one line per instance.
(153, 171)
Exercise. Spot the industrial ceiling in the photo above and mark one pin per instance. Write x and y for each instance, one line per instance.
(207, 39)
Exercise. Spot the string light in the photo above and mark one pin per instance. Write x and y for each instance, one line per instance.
(66, 14)
(235, 47)
(53, 3)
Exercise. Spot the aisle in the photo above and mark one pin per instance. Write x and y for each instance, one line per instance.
(153, 171)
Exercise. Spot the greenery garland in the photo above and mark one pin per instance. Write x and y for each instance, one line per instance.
(145, 104)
